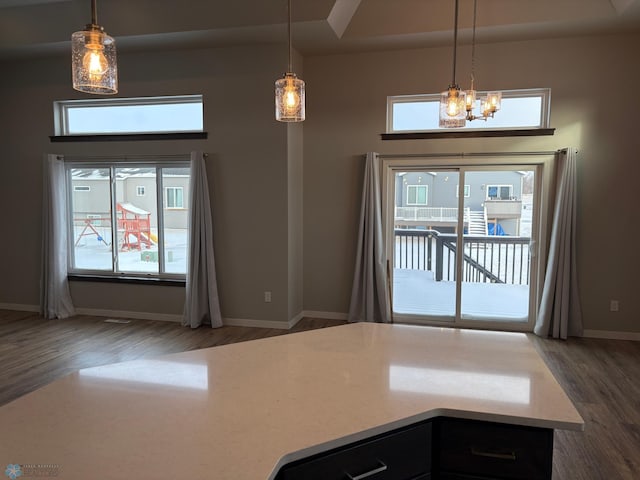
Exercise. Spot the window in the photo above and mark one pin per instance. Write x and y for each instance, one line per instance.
(467, 191)
(116, 231)
(173, 197)
(499, 192)
(81, 188)
(417, 194)
(129, 115)
(521, 109)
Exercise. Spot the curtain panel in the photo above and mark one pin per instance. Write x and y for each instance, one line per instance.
(370, 299)
(55, 298)
(560, 314)
(202, 305)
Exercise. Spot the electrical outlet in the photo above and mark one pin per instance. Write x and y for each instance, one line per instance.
(614, 306)
(267, 297)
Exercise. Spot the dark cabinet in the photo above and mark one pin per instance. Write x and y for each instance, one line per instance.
(400, 455)
(483, 450)
(438, 449)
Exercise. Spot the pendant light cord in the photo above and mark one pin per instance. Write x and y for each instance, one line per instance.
(289, 35)
(473, 45)
(94, 13)
(455, 43)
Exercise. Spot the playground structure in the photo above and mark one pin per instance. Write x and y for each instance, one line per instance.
(134, 228)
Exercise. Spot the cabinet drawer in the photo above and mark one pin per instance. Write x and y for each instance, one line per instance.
(491, 450)
(399, 455)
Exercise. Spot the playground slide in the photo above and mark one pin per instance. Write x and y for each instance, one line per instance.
(152, 237)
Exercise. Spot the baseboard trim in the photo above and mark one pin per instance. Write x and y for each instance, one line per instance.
(96, 312)
(250, 322)
(612, 335)
(19, 307)
(326, 315)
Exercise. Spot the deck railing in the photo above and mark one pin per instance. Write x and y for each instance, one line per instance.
(424, 214)
(487, 258)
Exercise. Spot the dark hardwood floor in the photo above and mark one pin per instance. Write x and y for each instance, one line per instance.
(602, 377)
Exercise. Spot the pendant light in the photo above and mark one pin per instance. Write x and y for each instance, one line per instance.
(452, 101)
(93, 59)
(490, 104)
(290, 100)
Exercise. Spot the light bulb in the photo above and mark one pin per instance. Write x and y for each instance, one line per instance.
(94, 61)
(291, 97)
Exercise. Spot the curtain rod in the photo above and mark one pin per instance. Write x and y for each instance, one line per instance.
(462, 154)
(143, 157)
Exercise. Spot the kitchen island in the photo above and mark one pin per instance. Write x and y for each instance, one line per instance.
(245, 411)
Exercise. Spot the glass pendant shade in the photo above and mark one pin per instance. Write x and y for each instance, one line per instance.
(494, 100)
(290, 99)
(470, 100)
(453, 108)
(93, 60)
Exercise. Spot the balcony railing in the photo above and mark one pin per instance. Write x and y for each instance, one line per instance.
(426, 214)
(486, 259)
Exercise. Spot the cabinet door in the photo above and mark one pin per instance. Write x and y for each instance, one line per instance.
(400, 455)
(470, 449)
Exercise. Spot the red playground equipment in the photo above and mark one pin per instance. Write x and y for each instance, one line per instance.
(134, 227)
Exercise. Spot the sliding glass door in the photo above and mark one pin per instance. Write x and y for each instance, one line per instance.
(463, 243)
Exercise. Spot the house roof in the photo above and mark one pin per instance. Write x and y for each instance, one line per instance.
(36, 27)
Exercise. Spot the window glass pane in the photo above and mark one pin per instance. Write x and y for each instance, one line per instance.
(137, 220)
(411, 194)
(98, 119)
(91, 219)
(176, 217)
(411, 116)
(422, 195)
(519, 109)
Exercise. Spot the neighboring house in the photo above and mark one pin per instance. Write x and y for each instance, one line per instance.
(493, 199)
(90, 195)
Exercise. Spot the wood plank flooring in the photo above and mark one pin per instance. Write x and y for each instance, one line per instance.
(602, 377)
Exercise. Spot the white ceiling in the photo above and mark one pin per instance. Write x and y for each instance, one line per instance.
(36, 27)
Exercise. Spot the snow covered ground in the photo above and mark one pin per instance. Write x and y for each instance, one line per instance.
(93, 252)
(415, 292)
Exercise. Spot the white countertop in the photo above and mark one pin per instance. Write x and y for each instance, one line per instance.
(241, 411)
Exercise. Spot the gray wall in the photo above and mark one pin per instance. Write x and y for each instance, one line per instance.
(346, 101)
(347, 113)
(247, 152)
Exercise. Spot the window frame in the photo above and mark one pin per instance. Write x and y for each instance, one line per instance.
(426, 196)
(61, 110)
(499, 186)
(545, 111)
(114, 274)
(141, 191)
(166, 197)
(467, 191)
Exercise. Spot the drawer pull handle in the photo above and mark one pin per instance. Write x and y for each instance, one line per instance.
(502, 456)
(370, 473)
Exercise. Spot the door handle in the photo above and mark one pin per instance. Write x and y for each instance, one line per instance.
(381, 468)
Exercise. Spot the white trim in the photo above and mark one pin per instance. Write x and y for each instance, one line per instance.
(250, 322)
(325, 315)
(296, 319)
(98, 312)
(610, 335)
(20, 307)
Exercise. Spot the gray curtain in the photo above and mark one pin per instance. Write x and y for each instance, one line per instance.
(560, 314)
(202, 304)
(370, 300)
(55, 298)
